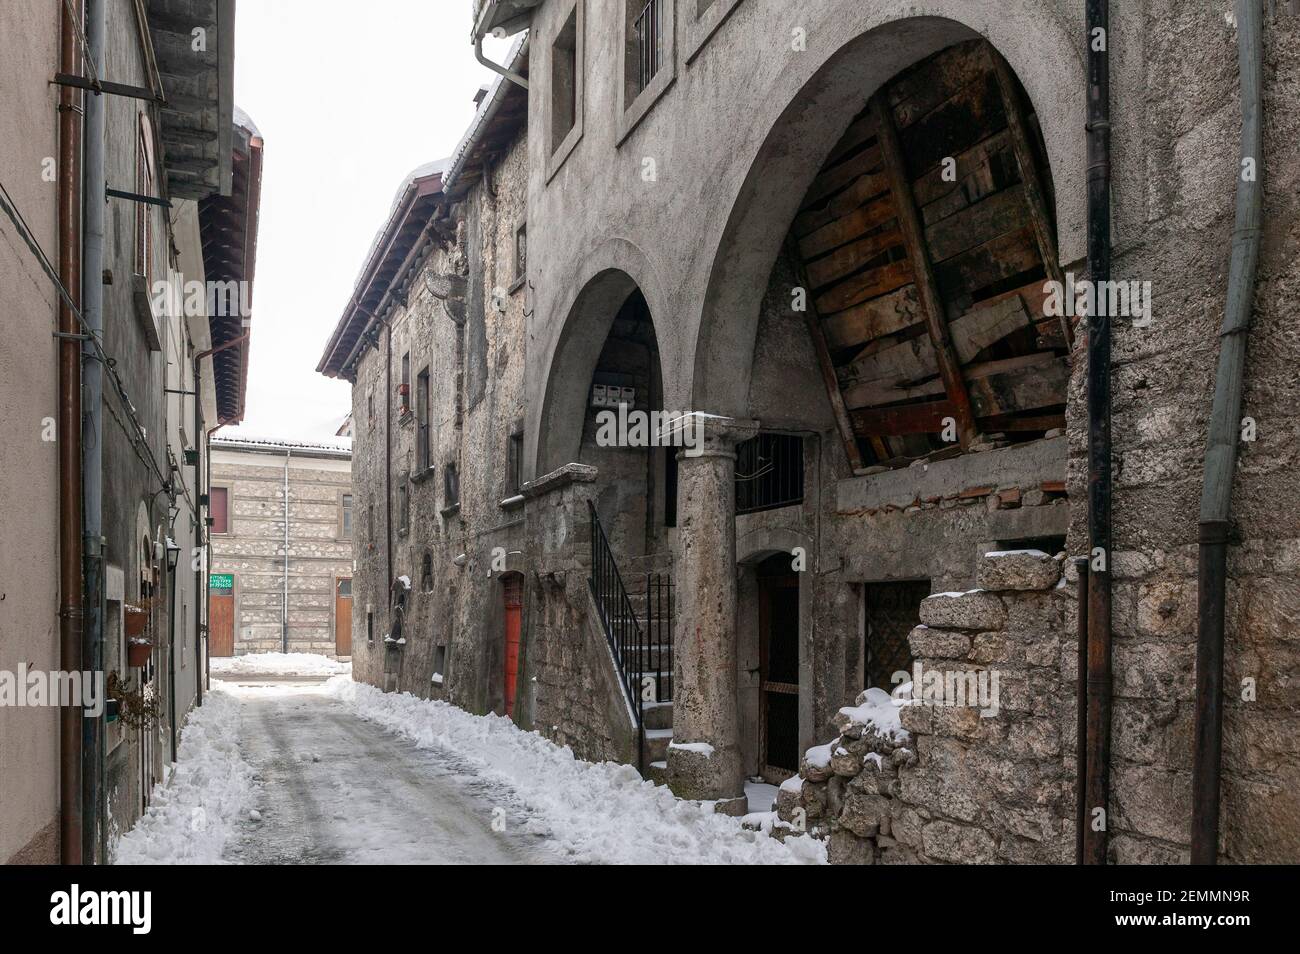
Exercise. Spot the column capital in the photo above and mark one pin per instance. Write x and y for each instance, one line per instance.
(706, 435)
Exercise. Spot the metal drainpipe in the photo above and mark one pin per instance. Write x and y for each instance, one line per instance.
(284, 605)
(1097, 786)
(92, 441)
(200, 530)
(1221, 449)
(70, 556)
(509, 74)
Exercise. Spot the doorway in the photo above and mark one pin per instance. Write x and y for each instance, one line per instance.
(892, 611)
(513, 597)
(343, 616)
(221, 623)
(778, 634)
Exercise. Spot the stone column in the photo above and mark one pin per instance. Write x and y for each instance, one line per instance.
(704, 761)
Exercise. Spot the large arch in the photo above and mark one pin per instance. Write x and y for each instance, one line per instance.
(811, 111)
(608, 277)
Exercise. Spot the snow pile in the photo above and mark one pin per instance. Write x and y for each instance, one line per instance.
(193, 814)
(878, 710)
(592, 812)
(279, 664)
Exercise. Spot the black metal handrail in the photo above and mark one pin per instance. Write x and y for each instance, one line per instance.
(659, 631)
(637, 652)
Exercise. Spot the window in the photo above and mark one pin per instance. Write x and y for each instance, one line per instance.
(564, 81)
(515, 464)
(645, 53)
(370, 526)
(450, 486)
(219, 509)
(403, 505)
(370, 405)
(649, 59)
(521, 252)
(769, 472)
(439, 662)
(143, 186)
(404, 389)
(370, 624)
(423, 413)
(426, 573)
(345, 516)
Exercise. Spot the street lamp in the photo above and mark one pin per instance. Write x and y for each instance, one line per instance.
(173, 556)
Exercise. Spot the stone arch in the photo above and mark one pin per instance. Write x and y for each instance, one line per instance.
(760, 543)
(813, 107)
(606, 278)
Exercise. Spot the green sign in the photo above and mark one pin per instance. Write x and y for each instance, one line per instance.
(221, 581)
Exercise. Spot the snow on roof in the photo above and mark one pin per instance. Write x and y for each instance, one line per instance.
(243, 120)
(423, 171)
(487, 106)
(233, 439)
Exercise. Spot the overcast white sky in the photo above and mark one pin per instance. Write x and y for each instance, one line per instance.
(349, 96)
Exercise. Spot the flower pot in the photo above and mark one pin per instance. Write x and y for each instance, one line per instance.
(138, 652)
(135, 620)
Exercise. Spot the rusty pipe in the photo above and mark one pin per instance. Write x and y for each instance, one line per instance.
(1097, 776)
(70, 569)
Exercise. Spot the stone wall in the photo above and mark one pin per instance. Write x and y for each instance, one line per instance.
(980, 772)
(253, 550)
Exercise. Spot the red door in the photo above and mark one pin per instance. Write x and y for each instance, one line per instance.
(514, 604)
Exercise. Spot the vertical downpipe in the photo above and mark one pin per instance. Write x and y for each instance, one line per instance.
(92, 441)
(1221, 449)
(70, 556)
(1097, 789)
(284, 605)
(200, 530)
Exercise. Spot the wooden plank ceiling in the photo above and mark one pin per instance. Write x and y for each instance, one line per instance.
(926, 295)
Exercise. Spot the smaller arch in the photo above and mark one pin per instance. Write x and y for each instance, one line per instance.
(603, 279)
(756, 545)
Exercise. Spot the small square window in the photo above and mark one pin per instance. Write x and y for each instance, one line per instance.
(345, 516)
(521, 251)
(565, 80)
(404, 505)
(219, 509)
(515, 464)
(450, 486)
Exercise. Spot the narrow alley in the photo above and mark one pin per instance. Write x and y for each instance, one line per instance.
(317, 769)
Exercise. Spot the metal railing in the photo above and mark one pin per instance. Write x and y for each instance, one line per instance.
(659, 635)
(647, 30)
(769, 472)
(638, 653)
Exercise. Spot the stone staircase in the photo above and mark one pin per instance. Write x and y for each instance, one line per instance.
(649, 603)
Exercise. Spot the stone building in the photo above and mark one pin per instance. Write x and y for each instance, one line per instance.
(114, 371)
(823, 239)
(281, 569)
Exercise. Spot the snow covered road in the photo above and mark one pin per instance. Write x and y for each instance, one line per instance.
(317, 769)
(335, 789)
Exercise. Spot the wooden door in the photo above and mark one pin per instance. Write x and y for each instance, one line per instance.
(778, 626)
(513, 593)
(343, 617)
(221, 624)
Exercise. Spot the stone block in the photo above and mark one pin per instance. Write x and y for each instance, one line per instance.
(845, 848)
(937, 643)
(1017, 570)
(974, 609)
(958, 844)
